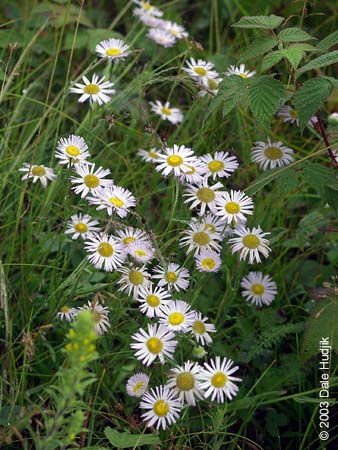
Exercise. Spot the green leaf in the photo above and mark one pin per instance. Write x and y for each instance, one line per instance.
(310, 97)
(294, 55)
(308, 226)
(329, 41)
(81, 40)
(271, 59)
(266, 95)
(294, 35)
(321, 61)
(262, 180)
(127, 440)
(330, 196)
(318, 176)
(258, 47)
(287, 181)
(264, 22)
(232, 91)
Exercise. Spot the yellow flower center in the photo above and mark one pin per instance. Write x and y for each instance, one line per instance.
(174, 32)
(243, 75)
(161, 408)
(81, 227)
(216, 166)
(206, 195)
(153, 154)
(38, 171)
(211, 227)
(96, 316)
(105, 249)
(136, 277)
(140, 252)
(219, 379)
(199, 327)
(91, 181)
(232, 208)
(212, 84)
(257, 289)
(175, 318)
(146, 5)
(294, 113)
(65, 309)
(72, 150)
(138, 387)
(273, 153)
(200, 71)
(201, 238)
(174, 160)
(208, 263)
(171, 277)
(116, 202)
(91, 89)
(154, 345)
(251, 241)
(191, 170)
(113, 52)
(153, 300)
(128, 240)
(185, 381)
(166, 111)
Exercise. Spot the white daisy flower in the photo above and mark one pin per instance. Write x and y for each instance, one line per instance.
(217, 380)
(72, 150)
(129, 235)
(141, 251)
(175, 160)
(200, 70)
(174, 115)
(291, 115)
(212, 223)
(250, 242)
(38, 172)
(137, 385)
(208, 261)
(114, 199)
(150, 21)
(161, 37)
(104, 250)
(197, 238)
(100, 316)
(270, 155)
(234, 206)
(148, 155)
(176, 316)
(145, 7)
(201, 329)
(175, 29)
(240, 71)
(112, 49)
(133, 279)
(152, 299)
(202, 195)
(158, 342)
(259, 289)
(208, 86)
(89, 180)
(220, 165)
(67, 313)
(162, 407)
(81, 225)
(175, 277)
(96, 90)
(192, 173)
(185, 384)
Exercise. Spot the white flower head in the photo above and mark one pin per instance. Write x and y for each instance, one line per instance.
(192, 173)
(270, 155)
(201, 329)
(148, 155)
(71, 150)
(81, 225)
(141, 251)
(185, 383)
(129, 235)
(104, 251)
(250, 243)
(88, 180)
(174, 28)
(240, 71)
(67, 313)
(38, 172)
(133, 279)
(202, 195)
(174, 277)
(112, 49)
(145, 7)
(161, 37)
(174, 115)
(258, 289)
(198, 238)
(100, 316)
(234, 206)
(220, 165)
(212, 223)
(176, 316)
(208, 86)
(152, 299)
(137, 385)
(175, 160)
(200, 70)
(114, 199)
(96, 91)
(208, 261)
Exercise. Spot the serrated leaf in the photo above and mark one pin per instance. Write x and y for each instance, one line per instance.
(271, 59)
(310, 97)
(258, 47)
(321, 61)
(318, 176)
(304, 46)
(232, 90)
(308, 226)
(294, 35)
(330, 196)
(266, 95)
(329, 41)
(127, 440)
(287, 181)
(265, 22)
(294, 55)
(262, 180)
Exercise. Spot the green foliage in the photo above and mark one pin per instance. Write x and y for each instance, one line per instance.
(308, 226)
(263, 22)
(232, 92)
(258, 47)
(127, 440)
(294, 35)
(271, 59)
(328, 42)
(322, 61)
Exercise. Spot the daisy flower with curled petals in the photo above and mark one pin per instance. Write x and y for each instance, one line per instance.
(104, 251)
(174, 115)
(148, 155)
(114, 199)
(208, 261)
(270, 155)
(217, 380)
(112, 49)
(175, 160)
(240, 71)
(81, 225)
(141, 251)
(176, 316)
(233, 206)
(200, 70)
(197, 238)
(97, 90)
(137, 385)
(220, 165)
(157, 342)
(184, 382)
(202, 195)
(201, 329)
(174, 28)
(89, 180)
(133, 279)
(162, 407)
(129, 235)
(71, 150)
(38, 172)
(67, 313)
(258, 289)
(152, 299)
(100, 316)
(175, 277)
(161, 37)
(250, 243)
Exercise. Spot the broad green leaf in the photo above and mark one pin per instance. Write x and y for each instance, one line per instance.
(294, 55)
(294, 35)
(127, 440)
(271, 59)
(308, 226)
(258, 47)
(266, 95)
(330, 196)
(318, 176)
(305, 46)
(321, 61)
(329, 41)
(232, 91)
(81, 40)
(287, 181)
(264, 22)
(310, 97)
